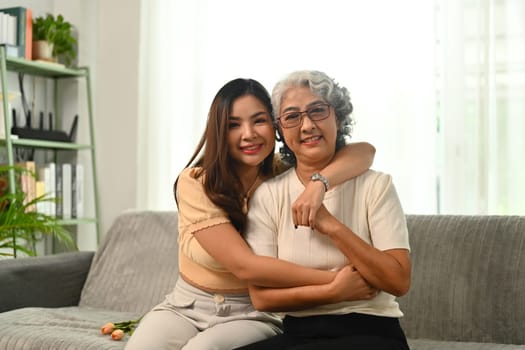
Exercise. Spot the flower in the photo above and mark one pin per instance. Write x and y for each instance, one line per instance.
(119, 329)
(108, 328)
(117, 334)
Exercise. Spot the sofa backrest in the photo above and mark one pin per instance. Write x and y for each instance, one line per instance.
(136, 264)
(468, 279)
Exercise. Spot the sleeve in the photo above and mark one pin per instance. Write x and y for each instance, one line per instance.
(196, 210)
(261, 230)
(387, 221)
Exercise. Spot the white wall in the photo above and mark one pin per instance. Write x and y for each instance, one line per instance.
(116, 94)
(108, 33)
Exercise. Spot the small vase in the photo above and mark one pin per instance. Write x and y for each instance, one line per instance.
(43, 50)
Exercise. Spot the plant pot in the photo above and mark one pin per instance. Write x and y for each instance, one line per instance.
(43, 50)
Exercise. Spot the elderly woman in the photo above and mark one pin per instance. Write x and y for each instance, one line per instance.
(360, 227)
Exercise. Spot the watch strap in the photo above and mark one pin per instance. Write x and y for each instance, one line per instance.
(319, 177)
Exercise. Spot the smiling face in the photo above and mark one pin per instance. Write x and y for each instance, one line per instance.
(251, 136)
(313, 143)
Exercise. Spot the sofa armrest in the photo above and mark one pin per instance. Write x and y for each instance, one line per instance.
(46, 281)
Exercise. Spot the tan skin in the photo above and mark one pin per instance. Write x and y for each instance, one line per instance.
(248, 133)
(371, 270)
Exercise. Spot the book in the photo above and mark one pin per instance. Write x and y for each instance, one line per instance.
(58, 191)
(24, 29)
(40, 190)
(28, 181)
(77, 191)
(66, 191)
(8, 29)
(29, 34)
(46, 174)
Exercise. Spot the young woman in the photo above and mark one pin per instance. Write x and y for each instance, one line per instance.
(209, 307)
(361, 224)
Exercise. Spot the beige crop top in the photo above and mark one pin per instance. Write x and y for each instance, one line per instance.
(197, 212)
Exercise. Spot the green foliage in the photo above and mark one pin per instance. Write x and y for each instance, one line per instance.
(58, 32)
(20, 227)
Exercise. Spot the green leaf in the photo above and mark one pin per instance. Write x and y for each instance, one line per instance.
(20, 227)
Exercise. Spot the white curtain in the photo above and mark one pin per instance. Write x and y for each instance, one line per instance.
(480, 75)
(385, 52)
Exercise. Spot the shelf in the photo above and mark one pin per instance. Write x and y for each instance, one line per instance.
(70, 222)
(48, 144)
(12, 143)
(42, 69)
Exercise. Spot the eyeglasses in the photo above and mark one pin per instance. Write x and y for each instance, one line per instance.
(295, 118)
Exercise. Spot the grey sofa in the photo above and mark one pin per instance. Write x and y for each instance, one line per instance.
(468, 284)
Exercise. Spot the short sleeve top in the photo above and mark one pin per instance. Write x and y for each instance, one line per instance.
(197, 212)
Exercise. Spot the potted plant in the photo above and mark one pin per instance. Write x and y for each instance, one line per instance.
(53, 39)
(21, 226)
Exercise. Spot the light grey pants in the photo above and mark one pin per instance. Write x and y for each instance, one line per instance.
(192, 319)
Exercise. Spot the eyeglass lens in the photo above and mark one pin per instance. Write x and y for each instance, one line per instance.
(315, 113)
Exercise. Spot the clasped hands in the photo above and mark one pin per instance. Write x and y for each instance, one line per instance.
(308, 210)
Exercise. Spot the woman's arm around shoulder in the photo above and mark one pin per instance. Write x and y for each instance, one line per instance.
(349, 162)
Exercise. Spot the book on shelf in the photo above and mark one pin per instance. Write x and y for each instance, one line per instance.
(77, 191)
(24, 29)
(66, 191)
(8, 29)
(58, 191)
(28, 181)
(46, 174)
(40, 190)
(62, 184)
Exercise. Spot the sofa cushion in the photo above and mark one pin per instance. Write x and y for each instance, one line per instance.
(467, 279)
(66, 328)
(138, 248)
(56, 279)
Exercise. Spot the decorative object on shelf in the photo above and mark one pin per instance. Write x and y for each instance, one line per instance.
(21, 226)
(53, 39)
(23, 31)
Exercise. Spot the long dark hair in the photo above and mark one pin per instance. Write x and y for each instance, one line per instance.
(221, 183)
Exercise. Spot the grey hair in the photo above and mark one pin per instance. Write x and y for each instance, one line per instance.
(327, 89)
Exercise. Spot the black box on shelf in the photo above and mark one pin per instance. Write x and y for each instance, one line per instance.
(38, 134)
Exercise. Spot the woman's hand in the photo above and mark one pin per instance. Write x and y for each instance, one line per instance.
(305, 207)
(349, 285)
(388, 270)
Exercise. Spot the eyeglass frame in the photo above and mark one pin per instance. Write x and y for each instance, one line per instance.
(302, 113)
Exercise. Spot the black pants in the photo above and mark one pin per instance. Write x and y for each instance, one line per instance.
(333, 332)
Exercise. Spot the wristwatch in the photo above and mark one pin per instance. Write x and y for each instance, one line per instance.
(319, 177)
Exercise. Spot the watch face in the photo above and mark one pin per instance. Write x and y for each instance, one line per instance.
(319, 177)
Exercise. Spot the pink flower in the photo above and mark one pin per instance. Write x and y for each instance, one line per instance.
(108, 328)
(117, 334)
